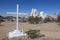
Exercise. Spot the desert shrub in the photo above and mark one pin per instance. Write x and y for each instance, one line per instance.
(1, 19)
(6, 38)
(33, 34)
(23, 19)
(42, 35)
(58, 18)
(34, 20)
(59, 24)
(47, 20)
(53, 20)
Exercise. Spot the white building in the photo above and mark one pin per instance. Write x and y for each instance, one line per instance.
(55, 17)
(34, 12)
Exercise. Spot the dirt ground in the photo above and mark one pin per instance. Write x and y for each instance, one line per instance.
(50, 30)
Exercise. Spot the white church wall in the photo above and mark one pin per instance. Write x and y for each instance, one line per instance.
(34, 12)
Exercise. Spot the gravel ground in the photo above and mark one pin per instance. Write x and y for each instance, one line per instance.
(50, 30)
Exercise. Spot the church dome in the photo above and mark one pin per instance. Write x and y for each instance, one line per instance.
(42, 14)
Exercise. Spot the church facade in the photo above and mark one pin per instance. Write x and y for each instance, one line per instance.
(34, 13)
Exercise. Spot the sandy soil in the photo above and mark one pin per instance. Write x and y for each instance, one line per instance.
(50, 30)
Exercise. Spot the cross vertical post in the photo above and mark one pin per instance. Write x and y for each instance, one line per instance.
(17, 17)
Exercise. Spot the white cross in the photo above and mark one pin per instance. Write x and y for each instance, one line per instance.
(16, 15)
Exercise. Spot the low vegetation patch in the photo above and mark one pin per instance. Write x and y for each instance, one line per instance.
(34, 20)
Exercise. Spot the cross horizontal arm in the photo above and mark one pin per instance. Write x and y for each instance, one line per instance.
(16, 13)
(11, 13)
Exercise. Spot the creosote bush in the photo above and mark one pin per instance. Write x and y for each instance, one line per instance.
(33, 34)
(34, 20)
(47, 20)
(58, 18)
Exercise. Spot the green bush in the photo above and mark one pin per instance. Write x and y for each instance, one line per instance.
(34, 20)
(1, 19)
(47, 20)
(33, 34)
(58, 18)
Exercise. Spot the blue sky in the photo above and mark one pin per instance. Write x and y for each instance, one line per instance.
(48, 6)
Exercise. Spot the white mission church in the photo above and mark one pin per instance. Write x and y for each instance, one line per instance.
(34, 13)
